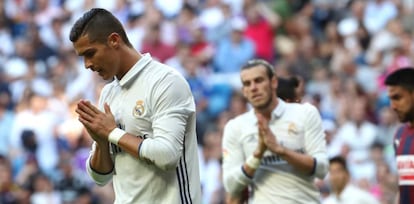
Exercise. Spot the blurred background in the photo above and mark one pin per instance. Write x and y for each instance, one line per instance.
(340, 50)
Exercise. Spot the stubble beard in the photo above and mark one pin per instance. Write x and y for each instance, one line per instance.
(408, 117)
(266, 104)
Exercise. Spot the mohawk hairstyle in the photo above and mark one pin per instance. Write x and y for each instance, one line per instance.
(98, 24)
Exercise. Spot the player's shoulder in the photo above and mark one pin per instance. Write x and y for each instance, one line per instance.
(245, 118)
(301, 107)
(159, 72)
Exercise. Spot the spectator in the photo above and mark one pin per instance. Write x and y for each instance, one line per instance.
(342, 189)
(233, 51)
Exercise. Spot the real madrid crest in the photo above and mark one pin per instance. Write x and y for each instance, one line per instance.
(292, 130)
(138, 109)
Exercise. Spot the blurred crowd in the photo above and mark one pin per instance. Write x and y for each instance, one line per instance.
(340, 50)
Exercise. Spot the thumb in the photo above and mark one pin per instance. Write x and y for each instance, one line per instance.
(107, 109)
(259, 117)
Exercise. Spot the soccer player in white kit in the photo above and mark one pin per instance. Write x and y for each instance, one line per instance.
(277, 148)
(144, 127)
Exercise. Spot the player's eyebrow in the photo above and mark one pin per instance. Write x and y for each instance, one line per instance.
(85, 51)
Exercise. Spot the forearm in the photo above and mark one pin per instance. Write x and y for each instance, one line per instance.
(100, 160)
(300, 161)
(235, 180)
(249, 170)
(157, 150)
(130, 144)
(233, 200)
(99, 165)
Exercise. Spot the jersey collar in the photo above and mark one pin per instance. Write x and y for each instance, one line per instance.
(141, 63)
(280, 108)
(276, 113)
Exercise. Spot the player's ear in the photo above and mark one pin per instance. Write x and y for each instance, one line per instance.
(274, 82)
(114, 40)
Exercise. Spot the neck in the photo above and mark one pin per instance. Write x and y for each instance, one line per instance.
(267, 110)
(129, 58)
(339, 190)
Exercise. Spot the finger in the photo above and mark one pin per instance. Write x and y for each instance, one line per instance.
(107, 109)
(84, 115)
(85, 123)
(84, 108)
(92, 107)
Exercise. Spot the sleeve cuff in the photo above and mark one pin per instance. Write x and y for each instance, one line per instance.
(99, 178)
(245, 173)
(139, 149)
(314, 167)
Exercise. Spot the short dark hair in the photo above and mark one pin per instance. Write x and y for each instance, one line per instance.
(256, 62)
(98, 23)
(403, 77)
(339, 160)
(286, 88)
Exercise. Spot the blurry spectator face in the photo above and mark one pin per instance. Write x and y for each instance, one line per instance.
(402, 102)
(198, 34)
(382, 172)
(38, 103)
(153, 35)
(338, 176)
(252, 15)
(5, 174)
(387, 116)
(238, 26)
(238, 104)
(153, 15)
(257, 87)
(237, 36)
(212, 145)
(4, 99)
(191, 66)
(42, 184)
(358, 110)
(358, 9)
(183, 50)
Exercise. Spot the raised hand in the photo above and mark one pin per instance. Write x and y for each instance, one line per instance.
(97, 123)
(261, 146)
(269, 139)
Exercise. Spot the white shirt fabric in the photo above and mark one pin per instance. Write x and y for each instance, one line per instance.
(377, 15)
(43, 125)
(297, 127)
(209, 176)
(359, 140)
(351, 195)
(154, 100)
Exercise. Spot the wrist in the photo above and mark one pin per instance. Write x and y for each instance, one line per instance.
(280, 150)
(115, 135)
(258, 153)
(253, 162)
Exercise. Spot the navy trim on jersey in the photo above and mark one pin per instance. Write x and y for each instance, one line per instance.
(314, 167)
(182, 177)
(186, 173)
(180, 185)
(405, 195)
(245, 173)
(407, 144)
(183, 184)
(397, 139)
